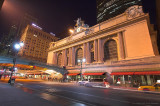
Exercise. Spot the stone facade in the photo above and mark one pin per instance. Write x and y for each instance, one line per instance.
(110, 45)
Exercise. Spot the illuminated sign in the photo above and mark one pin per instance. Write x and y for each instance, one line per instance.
(36, 26)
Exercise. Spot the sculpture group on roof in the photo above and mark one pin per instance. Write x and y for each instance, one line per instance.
(80, 26)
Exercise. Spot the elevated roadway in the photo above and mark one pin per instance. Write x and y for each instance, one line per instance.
(28, 64)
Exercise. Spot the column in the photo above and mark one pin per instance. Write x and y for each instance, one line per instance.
(55, 58)
(149, 80)
(95, 51)
(41, 75)
(84, 51)
(88, 54)
(121, 45)
(64, 58)
(70, 56)
(73, 57)
(100, 59)
(123, 80)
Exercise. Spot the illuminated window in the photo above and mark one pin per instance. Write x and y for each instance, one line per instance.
(110, 50)
(59, 59)
(92, 52)
(79, 56)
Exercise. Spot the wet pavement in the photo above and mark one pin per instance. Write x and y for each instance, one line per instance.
(69, 94)
(11, 96)
(59, 100)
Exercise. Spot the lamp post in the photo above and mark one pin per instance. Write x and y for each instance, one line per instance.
(17, 46)
(81, 61)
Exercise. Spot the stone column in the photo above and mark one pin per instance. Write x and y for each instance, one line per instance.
(73, 57)
(64, 58)
(70, 56)
(84, 51)
(95, 51)
(55, 58)
(100, 57)
(88, 54)
(123, 80)
(149, 80)
(121, 45)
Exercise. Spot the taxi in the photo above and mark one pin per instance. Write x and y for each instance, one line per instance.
(155, 87)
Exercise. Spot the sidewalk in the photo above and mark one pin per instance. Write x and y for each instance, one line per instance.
(11, 96)
(23, 80)
(127, 89)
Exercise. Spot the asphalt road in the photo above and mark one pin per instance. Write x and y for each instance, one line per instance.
(69, 94)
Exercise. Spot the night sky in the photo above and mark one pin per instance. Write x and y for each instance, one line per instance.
(55, 16)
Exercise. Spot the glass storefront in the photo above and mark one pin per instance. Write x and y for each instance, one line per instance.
(88, 77)
(135, 80)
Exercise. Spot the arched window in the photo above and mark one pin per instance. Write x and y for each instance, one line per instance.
(110, 50)
(59, 59)
(79, 55)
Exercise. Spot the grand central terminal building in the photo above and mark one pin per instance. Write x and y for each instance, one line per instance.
(123, 48)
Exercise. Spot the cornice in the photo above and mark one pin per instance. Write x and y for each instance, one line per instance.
(110, 30)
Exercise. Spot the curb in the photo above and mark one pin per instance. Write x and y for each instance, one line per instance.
(151, 92)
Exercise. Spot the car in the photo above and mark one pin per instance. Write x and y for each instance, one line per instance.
(155, 87)
(83, 82)
(94, 82)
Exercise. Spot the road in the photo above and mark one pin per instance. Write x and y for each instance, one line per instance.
(71, 94)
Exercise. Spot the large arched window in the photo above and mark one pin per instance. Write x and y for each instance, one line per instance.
(59, 59)
(79, 55)
(110, 50)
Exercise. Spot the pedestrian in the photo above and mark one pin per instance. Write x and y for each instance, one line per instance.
(106, 83)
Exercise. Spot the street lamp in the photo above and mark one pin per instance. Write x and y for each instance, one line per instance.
(17, 46)
(81, 61)
(71, 31)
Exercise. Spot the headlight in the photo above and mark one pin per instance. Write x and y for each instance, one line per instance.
(139, 87)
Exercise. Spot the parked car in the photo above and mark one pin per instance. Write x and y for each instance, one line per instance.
(155, 87)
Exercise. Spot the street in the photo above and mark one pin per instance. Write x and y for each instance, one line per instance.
(67, 94)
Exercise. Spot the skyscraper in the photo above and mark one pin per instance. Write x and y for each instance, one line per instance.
(36, 43)
(1, 3)
(158, 21)
(27, 19)
(8, 40)
(110, 8)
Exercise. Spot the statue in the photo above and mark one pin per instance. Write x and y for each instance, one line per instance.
(78, 24)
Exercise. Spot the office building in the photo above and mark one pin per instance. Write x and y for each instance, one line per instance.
(27, 19)
(7, 41)
(1, 3)
(36, 43)
(107, 9)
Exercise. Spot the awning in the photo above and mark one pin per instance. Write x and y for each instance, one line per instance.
(137, 73)
(147, 73)
(122, 73)
(92, 73)
(71, 74)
